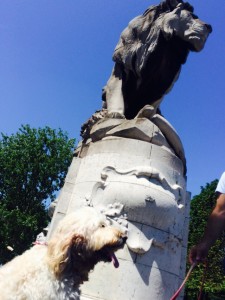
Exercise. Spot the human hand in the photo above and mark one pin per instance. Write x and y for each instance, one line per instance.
(198, 253)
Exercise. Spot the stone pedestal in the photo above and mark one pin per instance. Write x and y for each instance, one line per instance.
(135, 170)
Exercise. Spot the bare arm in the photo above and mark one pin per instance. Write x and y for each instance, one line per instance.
(214, 228)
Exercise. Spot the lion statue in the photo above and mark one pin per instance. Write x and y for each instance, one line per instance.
(149, 56)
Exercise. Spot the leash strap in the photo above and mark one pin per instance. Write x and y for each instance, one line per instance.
(203, 282)
(183, 283)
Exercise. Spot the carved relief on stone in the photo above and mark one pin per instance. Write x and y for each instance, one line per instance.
(145, 196)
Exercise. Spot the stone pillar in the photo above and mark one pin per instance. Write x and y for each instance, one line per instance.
(135, 170)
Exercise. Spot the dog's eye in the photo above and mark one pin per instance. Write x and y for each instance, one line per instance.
(102, 225)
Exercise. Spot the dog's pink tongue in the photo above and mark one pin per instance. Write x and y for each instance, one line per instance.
(114, 260)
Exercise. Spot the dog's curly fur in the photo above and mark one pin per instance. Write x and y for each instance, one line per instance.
(54, 271)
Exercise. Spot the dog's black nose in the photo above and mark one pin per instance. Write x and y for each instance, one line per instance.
(124, 239)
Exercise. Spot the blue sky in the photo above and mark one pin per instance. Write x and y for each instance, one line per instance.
(56, 55)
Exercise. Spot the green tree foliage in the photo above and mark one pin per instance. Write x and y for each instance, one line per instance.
(33, 165)
(214, 286)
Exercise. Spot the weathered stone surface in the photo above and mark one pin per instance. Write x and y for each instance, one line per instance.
(171, 136)
(139, 129)
(130, 281)
(100, 129)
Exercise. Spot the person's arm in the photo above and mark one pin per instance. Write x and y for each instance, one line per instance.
(214, 228)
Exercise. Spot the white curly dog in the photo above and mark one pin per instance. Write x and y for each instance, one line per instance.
(55, 270)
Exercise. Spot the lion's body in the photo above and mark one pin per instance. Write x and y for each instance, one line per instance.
(156, 78)
(149, 56)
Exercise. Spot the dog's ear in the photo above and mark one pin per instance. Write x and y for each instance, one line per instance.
(78, 244)
(62, 250)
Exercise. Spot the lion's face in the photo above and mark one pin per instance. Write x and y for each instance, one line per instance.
(187, 26)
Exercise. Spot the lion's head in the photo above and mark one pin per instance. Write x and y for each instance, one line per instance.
(171, 19)
(183, 23)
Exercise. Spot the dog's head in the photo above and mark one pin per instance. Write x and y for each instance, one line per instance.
(82, 239)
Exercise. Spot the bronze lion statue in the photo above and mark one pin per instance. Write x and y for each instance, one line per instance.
(149, 56)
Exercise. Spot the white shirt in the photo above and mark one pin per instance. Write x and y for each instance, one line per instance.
(221, 184)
